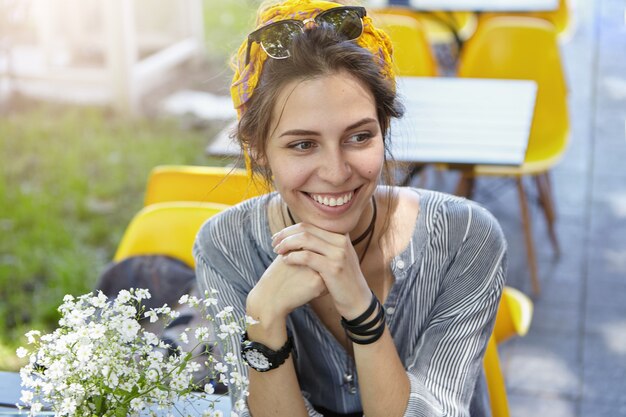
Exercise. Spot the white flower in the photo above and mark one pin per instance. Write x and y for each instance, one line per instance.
(100, 347)
(209, 388)
(220, 367)
(142, 294)
(152, 315)
(35, 408)
(183, 299)
(27, 397)
(238, 379)
(128, 329)
(83, 353)
(211, 301)
(21, 352)
(240, 405)
(226, 312)
(123, 297)
(230, 358)
(31, 335)
(152, 374)
(202, 334)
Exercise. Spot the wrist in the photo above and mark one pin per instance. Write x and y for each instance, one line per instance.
(357, 307)
(271, 326)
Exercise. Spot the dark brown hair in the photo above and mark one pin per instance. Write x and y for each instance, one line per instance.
(315, 53)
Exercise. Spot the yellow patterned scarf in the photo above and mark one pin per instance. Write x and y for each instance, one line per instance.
(246, 77)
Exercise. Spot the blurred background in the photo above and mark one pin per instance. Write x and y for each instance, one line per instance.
(88, 105)
(94, 94)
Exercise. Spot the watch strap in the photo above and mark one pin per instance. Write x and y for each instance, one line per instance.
(274, 357)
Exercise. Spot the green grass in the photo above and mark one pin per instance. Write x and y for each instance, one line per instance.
(227, 23)
(70, 181)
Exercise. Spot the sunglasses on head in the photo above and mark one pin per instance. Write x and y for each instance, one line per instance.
(276, 38)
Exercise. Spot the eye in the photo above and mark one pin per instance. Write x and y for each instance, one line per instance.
(304, 145)
(360, 137)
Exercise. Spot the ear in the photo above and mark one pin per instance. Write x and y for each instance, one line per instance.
(256, 156)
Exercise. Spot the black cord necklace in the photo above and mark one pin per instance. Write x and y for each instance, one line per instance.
(368, 233)
(348, 376)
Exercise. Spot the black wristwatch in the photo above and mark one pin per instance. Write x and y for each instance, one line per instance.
(261, 358)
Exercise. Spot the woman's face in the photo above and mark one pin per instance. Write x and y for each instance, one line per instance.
(326, 151)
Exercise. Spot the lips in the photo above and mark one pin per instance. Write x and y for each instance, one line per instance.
(333, 200)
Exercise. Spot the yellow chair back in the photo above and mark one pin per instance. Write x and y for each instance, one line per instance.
(166, 229)
(515, 314)
(411, 51)
(513, 318)
(525, 48)
(199, 183)
(561, 18)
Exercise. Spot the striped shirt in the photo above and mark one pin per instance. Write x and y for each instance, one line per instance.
(439, 311)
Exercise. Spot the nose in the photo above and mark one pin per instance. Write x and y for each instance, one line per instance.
(335, 168)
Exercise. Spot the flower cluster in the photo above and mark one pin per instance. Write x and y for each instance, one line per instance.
(100, 361)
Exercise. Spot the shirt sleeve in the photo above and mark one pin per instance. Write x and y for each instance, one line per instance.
(232, 277)
(444, 368)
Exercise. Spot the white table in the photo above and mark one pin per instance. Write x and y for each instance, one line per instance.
(452, 120)
(463, 120)
(471, 5)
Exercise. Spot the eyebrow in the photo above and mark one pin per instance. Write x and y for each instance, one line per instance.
(303, 132)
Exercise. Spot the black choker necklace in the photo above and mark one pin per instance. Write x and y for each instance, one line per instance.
(369, 232)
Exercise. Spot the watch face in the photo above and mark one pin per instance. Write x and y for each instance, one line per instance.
(257, 359)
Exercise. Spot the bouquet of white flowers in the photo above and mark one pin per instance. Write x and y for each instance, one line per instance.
(100, 362)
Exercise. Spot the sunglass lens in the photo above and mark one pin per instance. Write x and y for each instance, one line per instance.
(276, 39)
(346, 22)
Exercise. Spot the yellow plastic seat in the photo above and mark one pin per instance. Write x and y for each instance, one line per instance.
(412, 53)
(166, 229)
(561, 18)
(524, 48)
(513, 318)
(439, 26)
(442, 26)
(200, 183)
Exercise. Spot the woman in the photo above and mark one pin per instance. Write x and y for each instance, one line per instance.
(371, 299)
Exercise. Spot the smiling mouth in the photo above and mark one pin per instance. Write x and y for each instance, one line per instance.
(333, 200)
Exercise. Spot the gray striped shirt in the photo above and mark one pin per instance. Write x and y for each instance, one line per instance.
(439, 311)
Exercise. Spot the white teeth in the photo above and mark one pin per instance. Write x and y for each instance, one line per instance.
(332, 201)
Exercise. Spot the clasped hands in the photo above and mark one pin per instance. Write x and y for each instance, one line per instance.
(313, 262)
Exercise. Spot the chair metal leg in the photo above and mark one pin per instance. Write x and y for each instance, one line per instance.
(547, 204)
(528, 237)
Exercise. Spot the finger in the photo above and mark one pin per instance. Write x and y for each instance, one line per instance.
(326, 267)
(312, 242)
(329, 237)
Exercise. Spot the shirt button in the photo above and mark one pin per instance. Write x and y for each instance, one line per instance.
(400, 264)
(390, 310)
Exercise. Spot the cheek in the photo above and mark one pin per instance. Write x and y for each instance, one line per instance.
(287, 175)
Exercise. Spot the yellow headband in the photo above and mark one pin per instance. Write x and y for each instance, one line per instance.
(247, 77)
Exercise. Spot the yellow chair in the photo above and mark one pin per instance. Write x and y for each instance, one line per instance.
(199, 183)
(524, 48)
(561, 18)
(412, 53)
(166, 229)
(445, 27)
(513, 318)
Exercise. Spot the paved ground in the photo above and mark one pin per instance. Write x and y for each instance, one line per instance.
(573, 361)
